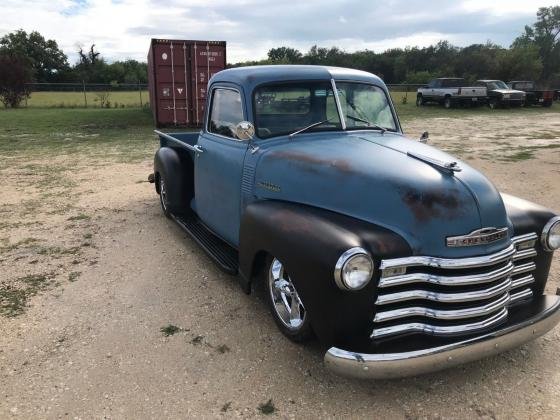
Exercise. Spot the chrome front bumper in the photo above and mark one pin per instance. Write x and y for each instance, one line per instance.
(397, 365)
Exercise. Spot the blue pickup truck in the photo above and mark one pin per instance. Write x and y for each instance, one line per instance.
(398, 257)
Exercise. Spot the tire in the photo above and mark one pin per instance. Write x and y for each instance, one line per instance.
(285, 304)
(547, 104)
(447, 104)
(163, 197)
(492, 104)
(420, 100)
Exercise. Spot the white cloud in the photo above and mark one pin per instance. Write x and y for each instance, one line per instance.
(122, 29)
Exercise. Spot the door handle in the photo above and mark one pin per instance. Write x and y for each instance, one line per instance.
(198, 149)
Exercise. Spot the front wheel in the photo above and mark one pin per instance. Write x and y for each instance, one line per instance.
(419, 100)
(286, 306)
(493, 104)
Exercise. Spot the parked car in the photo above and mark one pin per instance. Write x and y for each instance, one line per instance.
(398, 257)
(500, 94)
(533, 95)
(451, 91)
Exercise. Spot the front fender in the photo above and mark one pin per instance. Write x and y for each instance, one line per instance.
(527, 217)
(309, 242)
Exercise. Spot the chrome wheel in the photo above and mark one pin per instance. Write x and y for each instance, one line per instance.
(162, 194)
(285, 299)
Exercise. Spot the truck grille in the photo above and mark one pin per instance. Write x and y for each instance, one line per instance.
(447, 297)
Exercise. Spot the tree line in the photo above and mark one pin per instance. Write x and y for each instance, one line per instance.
(535, 55)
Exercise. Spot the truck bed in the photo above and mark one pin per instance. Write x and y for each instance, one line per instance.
(186, 139)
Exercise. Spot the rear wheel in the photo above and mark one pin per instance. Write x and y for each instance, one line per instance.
(447, 102)
(163, 196)
(493, 103)
(286, 306)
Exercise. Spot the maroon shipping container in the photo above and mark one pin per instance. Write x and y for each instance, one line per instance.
(178, 75)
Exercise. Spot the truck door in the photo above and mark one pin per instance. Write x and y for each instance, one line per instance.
(219, 164)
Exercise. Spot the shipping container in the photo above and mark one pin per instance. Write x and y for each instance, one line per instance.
(178, 75)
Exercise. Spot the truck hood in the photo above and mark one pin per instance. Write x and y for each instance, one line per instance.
(372, 176)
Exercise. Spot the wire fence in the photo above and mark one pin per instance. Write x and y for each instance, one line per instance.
(87, 95)
(123, 95)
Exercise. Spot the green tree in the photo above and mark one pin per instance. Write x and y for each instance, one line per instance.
(43, 56)
(545, 35)
(284, 55)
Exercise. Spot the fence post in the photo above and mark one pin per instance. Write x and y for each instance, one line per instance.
(84, 87)
(140, 92)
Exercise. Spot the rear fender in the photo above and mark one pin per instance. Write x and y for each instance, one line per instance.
(176, 167)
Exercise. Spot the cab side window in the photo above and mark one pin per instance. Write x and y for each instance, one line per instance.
(225, 113)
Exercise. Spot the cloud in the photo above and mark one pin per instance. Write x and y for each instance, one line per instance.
(122, 29)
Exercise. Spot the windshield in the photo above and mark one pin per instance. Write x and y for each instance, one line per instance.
(498, 84)
(290, 107)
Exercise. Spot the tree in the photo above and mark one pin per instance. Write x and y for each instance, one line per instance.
(545, 35)
(284, 55)
(91, 67)
(15, 73)
(44, 57)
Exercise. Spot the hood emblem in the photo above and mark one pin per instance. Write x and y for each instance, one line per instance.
(477, 237)
(449, 167)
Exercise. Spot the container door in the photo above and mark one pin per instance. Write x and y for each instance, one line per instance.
(207, 59)
(172, 76)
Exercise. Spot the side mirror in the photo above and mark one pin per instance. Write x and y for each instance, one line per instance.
(424, 137)
(244, 130)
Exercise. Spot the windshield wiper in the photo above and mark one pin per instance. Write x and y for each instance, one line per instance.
(315, 124)
(369, 123)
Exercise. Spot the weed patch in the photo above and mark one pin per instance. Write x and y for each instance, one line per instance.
(169, 330)
(267, 407)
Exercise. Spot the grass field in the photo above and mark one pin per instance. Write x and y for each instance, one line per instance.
(117, 99)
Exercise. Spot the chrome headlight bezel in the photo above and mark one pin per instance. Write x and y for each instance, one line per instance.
(343, 260)
(551, 225)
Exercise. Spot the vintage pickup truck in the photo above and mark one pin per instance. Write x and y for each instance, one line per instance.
(451, 91)
(398, 257)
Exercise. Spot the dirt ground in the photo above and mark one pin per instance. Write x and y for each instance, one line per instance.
(91, 271)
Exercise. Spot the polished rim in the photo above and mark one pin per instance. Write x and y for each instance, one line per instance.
(163, 193)
(285, 298)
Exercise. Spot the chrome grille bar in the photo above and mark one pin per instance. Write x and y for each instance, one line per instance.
(447, 280)
(447, 312)
(523, 294)
(445, 297)
(440, 330)
(443, 314)
(522, 281)
(457, 263)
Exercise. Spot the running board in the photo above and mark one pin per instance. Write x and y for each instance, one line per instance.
(222, 253)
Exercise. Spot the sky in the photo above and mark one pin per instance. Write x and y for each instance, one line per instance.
(122, 29)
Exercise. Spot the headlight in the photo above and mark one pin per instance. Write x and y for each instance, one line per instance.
(353, 269)
(550, 238)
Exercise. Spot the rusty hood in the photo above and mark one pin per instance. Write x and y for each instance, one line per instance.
(374, 177)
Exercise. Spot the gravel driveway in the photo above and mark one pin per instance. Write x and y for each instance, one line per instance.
(128, 318)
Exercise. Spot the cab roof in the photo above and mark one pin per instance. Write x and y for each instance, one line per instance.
(252, 76)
